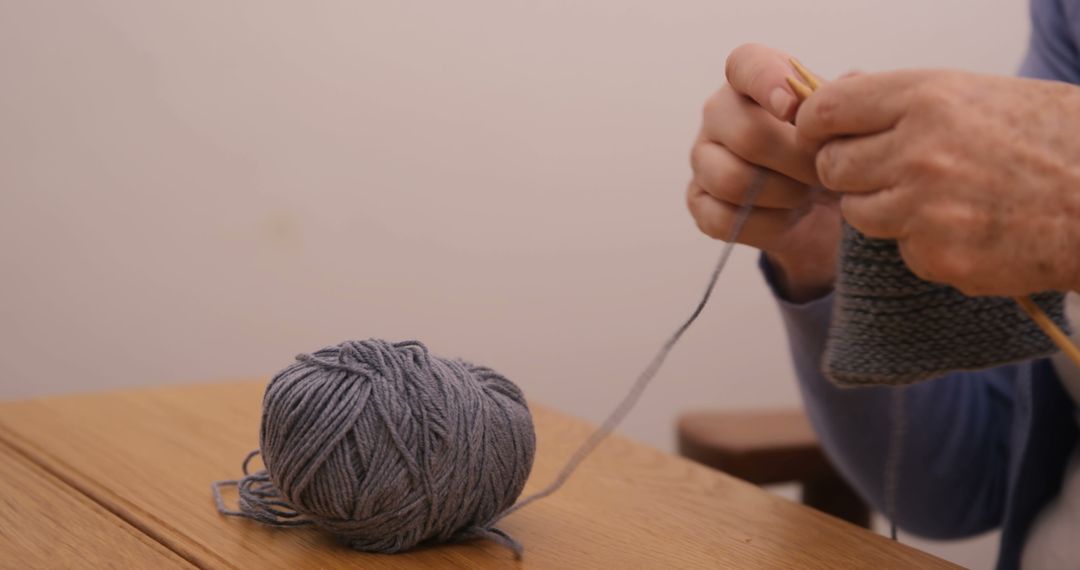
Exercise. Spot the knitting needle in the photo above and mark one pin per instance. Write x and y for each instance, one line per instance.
(1048, 326)
(811, 80)
(801, 90)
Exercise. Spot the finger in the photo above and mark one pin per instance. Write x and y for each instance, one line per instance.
(727, 177)
(882, 214)
(744, 128)
(936, 262)
(760, 73)
(855, 105)
(859, 164)
(716, 219)
(914, 258)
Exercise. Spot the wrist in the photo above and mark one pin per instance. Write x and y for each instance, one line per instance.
(803, 277)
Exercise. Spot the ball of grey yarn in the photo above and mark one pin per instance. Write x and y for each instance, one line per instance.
(390, 447)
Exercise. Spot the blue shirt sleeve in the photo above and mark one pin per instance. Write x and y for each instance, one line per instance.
(953, 465)
(1052, 52)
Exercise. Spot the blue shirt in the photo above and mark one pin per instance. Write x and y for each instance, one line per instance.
(982, 449)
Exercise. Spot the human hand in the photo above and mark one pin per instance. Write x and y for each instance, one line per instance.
(745, 126)
(977, 177)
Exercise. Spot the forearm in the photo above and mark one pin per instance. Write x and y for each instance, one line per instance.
(852, 425)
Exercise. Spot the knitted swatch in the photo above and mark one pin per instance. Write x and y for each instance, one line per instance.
(891, 327)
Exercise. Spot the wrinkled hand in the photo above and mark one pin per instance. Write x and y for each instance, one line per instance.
(977, 177)
(745, 126)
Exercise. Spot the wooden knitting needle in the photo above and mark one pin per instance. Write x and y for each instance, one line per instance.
(1050, 328)
(810, 79)
(1034, 311)
(802, 91)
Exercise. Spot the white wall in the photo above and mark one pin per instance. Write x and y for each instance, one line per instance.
(193, 191)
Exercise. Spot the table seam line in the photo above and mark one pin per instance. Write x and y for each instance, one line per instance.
(18, 445)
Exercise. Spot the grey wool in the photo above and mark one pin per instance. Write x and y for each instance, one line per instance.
(388, 447)
(891, 327)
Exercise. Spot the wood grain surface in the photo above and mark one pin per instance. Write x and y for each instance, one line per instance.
(47, 524)
(150, 456)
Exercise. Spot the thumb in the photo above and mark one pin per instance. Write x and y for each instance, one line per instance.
(760, 73)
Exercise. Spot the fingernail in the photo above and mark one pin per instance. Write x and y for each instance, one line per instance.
(781, 101)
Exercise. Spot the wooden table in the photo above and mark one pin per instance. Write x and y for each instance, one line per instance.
(123, 479)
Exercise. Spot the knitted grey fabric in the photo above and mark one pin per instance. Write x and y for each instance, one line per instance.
(891, 327)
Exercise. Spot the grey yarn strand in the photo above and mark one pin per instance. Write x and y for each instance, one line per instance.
(638, 388)
(894, 457)
(389, 447)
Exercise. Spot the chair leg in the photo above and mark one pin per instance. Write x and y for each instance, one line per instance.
(832, 495)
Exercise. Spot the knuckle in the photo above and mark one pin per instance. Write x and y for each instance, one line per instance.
(749, 141)
(864, 220)
(955, 267)
(935, 94)
(724, 185)
(715, 226)
(697, 159)
(707, 228)
(913, 254)
(926, 95)
(931, 162)
(691, 202)
(720, 179)
(935, 256)
(697, 213)
(826, 110)
(826, 164)
(947, 265)
(712, 104)
(866, 215)
(955, 215)
(850, 210)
